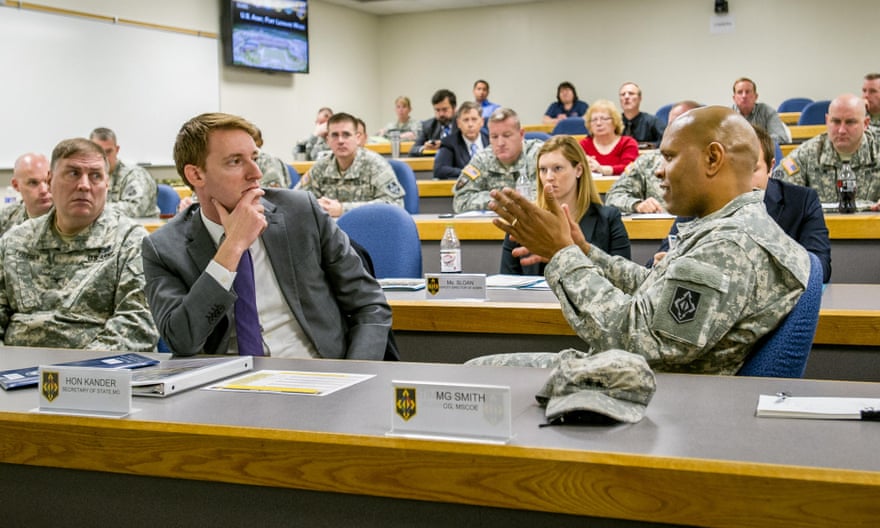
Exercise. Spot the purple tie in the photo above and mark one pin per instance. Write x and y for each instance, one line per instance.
(247, 322)
(473, 149)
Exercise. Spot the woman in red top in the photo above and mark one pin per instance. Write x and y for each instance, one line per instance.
(607, 151)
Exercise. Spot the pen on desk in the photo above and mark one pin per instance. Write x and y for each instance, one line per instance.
(869, 414)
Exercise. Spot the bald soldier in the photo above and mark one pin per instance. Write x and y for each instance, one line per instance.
(847, 139)
(30, 177)
(732, 278)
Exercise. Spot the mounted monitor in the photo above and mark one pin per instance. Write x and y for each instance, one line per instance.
(267, 35)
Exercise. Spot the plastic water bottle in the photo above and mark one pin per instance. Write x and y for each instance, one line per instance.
(526, 186)
(11, 195)
(846, 189)
(450, 252)
(394, 135)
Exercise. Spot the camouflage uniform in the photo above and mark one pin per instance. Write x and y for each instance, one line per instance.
(485, 172)
(637, 183)
(274, 171)
(369, 179)
(732, 278)
(133, 191)
(815, 164)
(86, 292)
(875, 123)
(11, 215)
(413, 125)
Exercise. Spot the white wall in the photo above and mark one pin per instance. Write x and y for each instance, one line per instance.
(344, 62)
(789, 47)
(361, 62)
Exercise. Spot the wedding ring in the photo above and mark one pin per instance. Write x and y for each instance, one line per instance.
(515, 220)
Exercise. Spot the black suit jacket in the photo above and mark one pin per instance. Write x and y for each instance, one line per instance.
(431, 129)
(453, 155)
(798, 212)
(339, 306)
(602, 227)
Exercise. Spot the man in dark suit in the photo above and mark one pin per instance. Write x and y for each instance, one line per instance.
(313, 297)
(457, 148)
(437, 128)
(796, 209)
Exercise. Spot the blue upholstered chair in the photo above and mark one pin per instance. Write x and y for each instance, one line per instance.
(571, 126)
(294, 175)
(794, 104)
(407, 179)
(543, 136)
(167, 199)
(662, 113)
(814, 113)
(783, 353)
(390, 236)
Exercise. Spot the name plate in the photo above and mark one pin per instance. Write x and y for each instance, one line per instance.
(84, 390)
(455, 286)
(464, 412)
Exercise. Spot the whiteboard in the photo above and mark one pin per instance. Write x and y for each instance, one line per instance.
(65, 75)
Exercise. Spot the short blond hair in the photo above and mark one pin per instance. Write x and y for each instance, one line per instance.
(611, 109)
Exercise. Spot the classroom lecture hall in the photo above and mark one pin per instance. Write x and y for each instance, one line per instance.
(456, 427)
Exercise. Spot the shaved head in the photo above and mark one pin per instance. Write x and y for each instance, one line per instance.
(710, 154)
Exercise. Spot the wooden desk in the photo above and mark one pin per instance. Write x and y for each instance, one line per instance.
(547, 129)
(700, 456)
(385, 148)
(183, 191)
(789, 118)
(787, 148)
(846, 345)
(861, 226)
(805, 132)
(432, 227)
(850, 314)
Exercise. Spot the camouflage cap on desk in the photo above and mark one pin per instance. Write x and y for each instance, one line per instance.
(614, 383)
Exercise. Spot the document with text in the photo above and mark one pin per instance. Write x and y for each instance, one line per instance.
(292, 382)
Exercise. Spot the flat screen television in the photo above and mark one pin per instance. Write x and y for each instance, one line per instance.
(267, 35)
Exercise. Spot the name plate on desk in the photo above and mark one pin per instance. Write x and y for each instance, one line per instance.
(84, 390)
(465, 412)
(455, 286)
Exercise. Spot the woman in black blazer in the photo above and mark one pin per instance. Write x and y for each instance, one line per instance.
(563, 167)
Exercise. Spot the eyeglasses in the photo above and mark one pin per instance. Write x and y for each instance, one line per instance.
(600, 119)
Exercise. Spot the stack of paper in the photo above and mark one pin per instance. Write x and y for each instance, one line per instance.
(512, 281)
(777, 406)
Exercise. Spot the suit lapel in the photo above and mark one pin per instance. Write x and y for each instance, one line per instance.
(199, 245)
(773, 199)
(276, 240)
(588, 223)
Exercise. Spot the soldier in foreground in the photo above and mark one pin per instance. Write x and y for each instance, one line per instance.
(732, 278)
(73, 278)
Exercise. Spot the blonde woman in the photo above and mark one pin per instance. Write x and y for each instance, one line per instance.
(409, 128)
(564, 170)
(608, 151)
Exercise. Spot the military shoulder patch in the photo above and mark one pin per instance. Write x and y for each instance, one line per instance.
(462, 181)
(471, 172)
(790, 166)
(684, 304)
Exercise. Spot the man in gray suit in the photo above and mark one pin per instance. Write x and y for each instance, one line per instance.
(313, 296)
